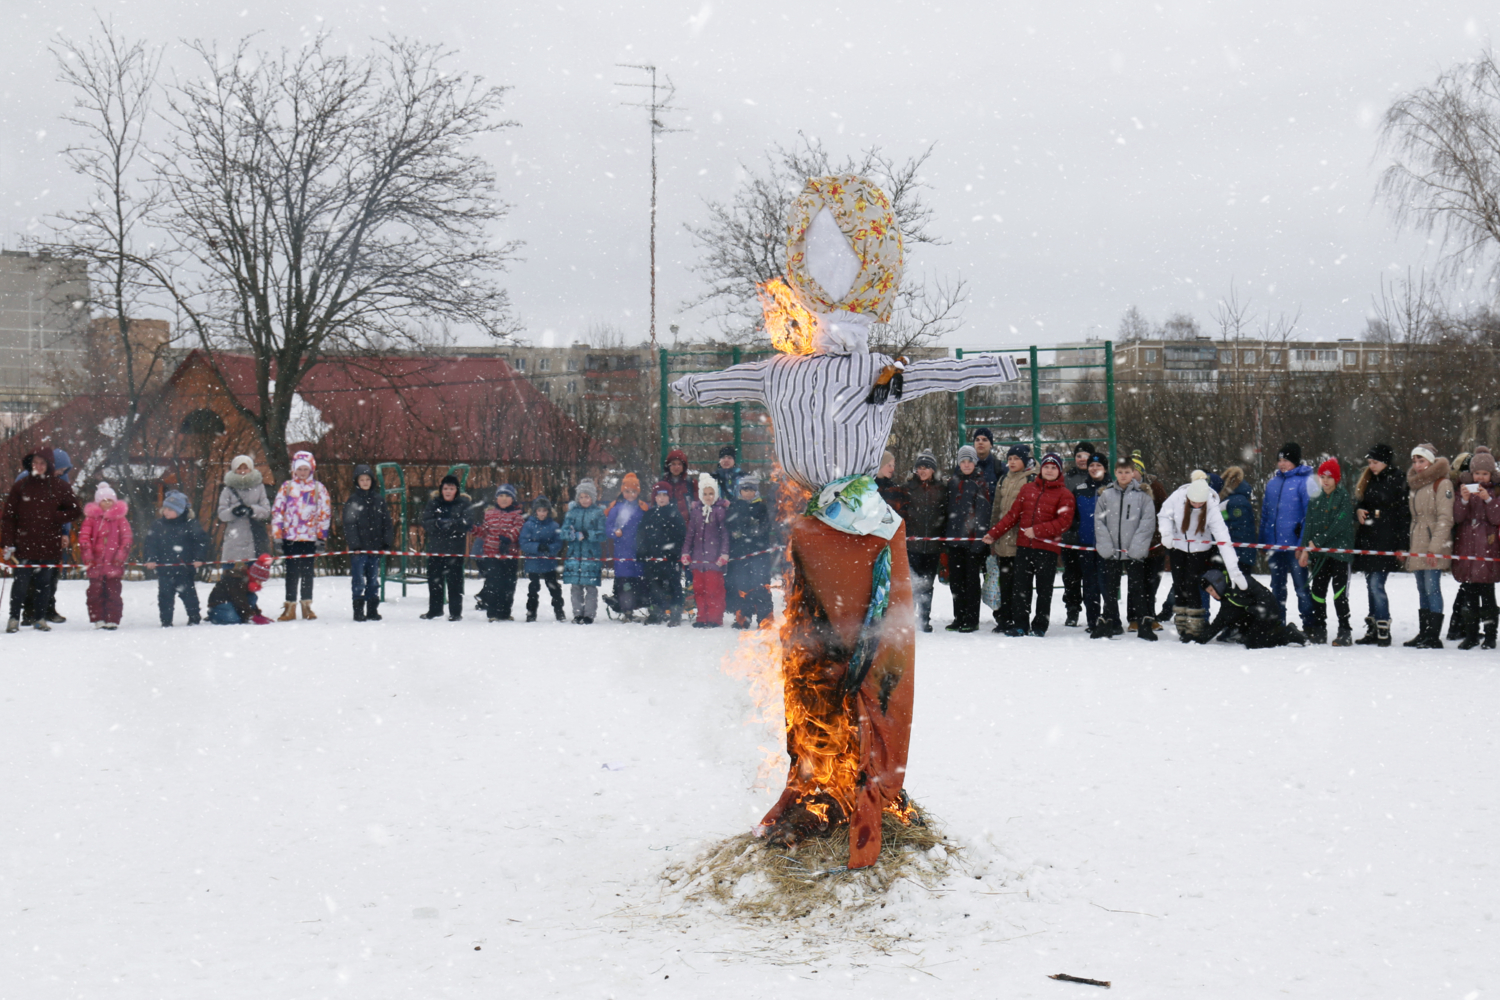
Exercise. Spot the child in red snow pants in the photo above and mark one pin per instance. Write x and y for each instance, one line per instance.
(708, 595)
(105, 604)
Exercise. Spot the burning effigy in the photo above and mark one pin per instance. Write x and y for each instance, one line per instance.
(848, 637)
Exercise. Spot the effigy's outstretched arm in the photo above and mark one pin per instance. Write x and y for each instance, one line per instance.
(951, 375)
(737, 384)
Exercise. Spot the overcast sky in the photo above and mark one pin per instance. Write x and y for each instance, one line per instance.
(1085, 161)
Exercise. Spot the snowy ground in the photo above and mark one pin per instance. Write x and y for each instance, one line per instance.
(414, 809)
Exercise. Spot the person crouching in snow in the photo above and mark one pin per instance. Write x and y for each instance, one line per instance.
(176, 546)
(104, 542)
(501, 533)
(749, 575)
(583, 569)
(622, 522)
(659, 547)
(706, 551)
(541, 541)
(445, 520)
(1246, 605)
(232, 601)
(1329, 525)
(1043, 511)
(300, 518)
(1192, 527)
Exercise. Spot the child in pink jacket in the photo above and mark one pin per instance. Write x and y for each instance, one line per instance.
(104, 541)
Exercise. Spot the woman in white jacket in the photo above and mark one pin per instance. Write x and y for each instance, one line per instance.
(1192, 528)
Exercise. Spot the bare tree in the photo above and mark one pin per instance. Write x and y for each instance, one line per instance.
(743, 244)
(1444, 177)
(319, 203)
(113, 80)
(1133, 326)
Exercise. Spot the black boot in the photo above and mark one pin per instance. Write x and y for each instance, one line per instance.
(1469, 628)
(1416, 641)
(1489, 632)
(1432, 639)
(1102, 629)
(1370, 637)
(1455, 626)
(1147, 629)
(372, 609)
(359, 609)
(1345, 636)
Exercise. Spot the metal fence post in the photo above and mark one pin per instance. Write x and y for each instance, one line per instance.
(958, 355)
(734, 359)
(1109, 400)
(666, 441)
(1036, 407)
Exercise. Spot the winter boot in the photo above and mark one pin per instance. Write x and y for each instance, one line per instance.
(41, 625)
(1370, 637)
(1071, 621)
(531, 616)
(1317, 633)
(1469, 629)
(1489, 632)
(372, 609)
(288, 612)
(562, 615)
(1147, 629)
(12, 625)
(307, 612)
(55, 618)
(1180, 623)
(1039, 625)
(1432, 638)
(1456, 625)
(1383, 633)
(1415, 642)
(1345, 636)
(1197, 623)
(359, 609)
(1103, 629)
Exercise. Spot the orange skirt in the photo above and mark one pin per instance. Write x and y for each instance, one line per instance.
(848, 748)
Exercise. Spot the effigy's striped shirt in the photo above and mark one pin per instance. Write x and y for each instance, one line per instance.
(823, 427)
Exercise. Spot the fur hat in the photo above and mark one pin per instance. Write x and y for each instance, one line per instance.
(239, 460)
(630, 481)
(104, 491)
(1424, 450)
(967, 451)
(1330, 467)
(707, 482)
(925, 458)
(982, 432)
(1381, 453)
(175, 501)
(586, 488)
(1291, 451)
(1199, 491)
(1483, 461)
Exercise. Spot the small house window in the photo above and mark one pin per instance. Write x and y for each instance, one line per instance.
(1150, 355)
(572, 364)
(1226, 357)
(1273, 357)
(1351, 359)
(519, 364)
(1373, 360)
(1250, 357)
(544, 364)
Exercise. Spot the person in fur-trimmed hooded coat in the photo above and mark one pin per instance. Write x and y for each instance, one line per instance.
(243, 505)
(1476, 533)
(1430, 500)
(104, 543)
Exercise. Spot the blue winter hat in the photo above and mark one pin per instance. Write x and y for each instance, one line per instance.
(175, 501)
(749, 482)
(60, 460)
(540, 502)
(508, 490)
(1216, 482)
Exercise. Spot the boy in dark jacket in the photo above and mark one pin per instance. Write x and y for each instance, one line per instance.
(500, 535)
(969, 505)
(926, 516)
(176, 546)
(446, 522)
(727, 473)
(749, 576)
(1089, 566)
(367, 525)
(659, 546)
(541, 542)
(1253, 610)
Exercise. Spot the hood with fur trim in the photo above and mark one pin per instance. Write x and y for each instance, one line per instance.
(1435, 472)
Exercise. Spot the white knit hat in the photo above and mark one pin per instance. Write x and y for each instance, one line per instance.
(1199, 491)
(1197, 475)
(104, 492)
(1424, 451)
(707, 482)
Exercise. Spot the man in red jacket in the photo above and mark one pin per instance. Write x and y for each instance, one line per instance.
(1044, 510)
(37, 507)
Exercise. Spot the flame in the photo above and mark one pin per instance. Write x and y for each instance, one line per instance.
(788, 322)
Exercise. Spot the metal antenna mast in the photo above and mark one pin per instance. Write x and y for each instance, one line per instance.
(660, 101)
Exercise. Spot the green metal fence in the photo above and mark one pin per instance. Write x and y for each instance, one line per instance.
(1041, 413)
(701, 431)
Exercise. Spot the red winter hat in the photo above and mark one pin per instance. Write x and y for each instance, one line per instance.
(260, 569)
(1331, 468)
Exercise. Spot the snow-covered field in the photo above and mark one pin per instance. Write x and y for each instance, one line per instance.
(415, 809)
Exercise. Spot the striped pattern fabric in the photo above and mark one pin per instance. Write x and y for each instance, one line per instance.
(824, 429)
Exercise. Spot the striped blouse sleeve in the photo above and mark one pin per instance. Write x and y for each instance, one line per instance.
(949, 375)
(737, 384)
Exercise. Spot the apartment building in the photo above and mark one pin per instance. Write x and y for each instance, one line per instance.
(1206, 361)
(44, 316)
